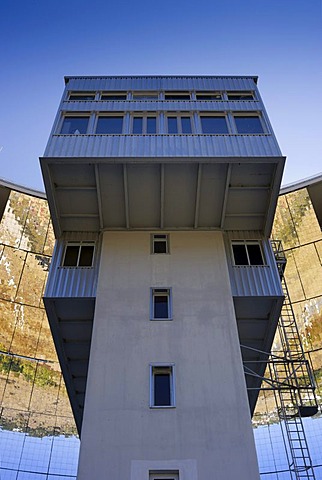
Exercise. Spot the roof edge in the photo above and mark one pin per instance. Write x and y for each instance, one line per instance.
(22, 189)
(69, 77)
(297, 185)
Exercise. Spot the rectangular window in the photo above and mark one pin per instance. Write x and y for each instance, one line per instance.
(109, 124)
(81, 96)
(145, 96)
(160, 243)
(144, 124)
(240, 96)
(78, 255)
(179, 125)
(248, 124)
(74, 125)
(113, 96)
(164, 475)
(214, 124)
(177, 96)
(161, 308)
(247, 253)
(162, 392)
(208, 96)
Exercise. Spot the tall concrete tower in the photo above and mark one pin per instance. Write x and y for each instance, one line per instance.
(162, 191)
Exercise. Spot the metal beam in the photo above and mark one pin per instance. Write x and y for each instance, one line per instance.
(198, 196)
(224, 205)
(126, 196)
(99, 198)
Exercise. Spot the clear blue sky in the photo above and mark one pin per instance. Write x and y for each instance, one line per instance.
(42, 40)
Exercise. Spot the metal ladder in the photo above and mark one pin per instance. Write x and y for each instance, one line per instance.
(295, 395)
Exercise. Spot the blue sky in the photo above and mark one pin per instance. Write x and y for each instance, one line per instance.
(41, 41)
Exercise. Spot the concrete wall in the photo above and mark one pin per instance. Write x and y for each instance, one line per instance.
(208, 434)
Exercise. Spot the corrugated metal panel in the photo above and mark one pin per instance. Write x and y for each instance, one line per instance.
(72, 282)
(162, 146)
(161, 106)
(160, 83)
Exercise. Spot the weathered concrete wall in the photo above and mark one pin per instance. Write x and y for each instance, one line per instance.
(208, 434)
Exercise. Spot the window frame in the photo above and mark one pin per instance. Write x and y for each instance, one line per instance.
(81, 94)
(179, 117)
(246, 243)
(113, 94)
(79, 245)
(145, 116)
(215, 115)
(208, 94)
(166, 240)
(161, 292)
(114, 115)
(240, 94)
(251, 115)
(163, 368)
(72, 115)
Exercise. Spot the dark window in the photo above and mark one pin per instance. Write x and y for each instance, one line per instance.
(74, 125)
(145, 96)
(109, 125)
(162, 386)
(179, 125)
(177, 96)
(208, 96)
(78, 255)
(160, 243)
(247, 253)
(161, 304)
(172, 125)
(214, 124)
(82, 96)
(248, 124)
(137, 125)
(240, 96)
(151, 125)
(113, 96)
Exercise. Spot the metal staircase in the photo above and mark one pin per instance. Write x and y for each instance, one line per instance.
(294, 386)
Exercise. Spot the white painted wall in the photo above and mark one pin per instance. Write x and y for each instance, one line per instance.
(210, 428)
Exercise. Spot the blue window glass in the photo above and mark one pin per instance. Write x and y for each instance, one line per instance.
(109, 125)
(172, 125)
(214, 124)
(74, 125)
(186, 124)
(248, 124)
(162, 392)
(137, 125)
(151, 125)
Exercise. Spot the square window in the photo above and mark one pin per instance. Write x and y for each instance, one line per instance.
(109, 124)
(248, 124)
(78, 255)
(162, 386)
(160, 243)
(247, 253)
(144, 124)
(161, 308)
(179, 125)
(74, 125)
(214, 124)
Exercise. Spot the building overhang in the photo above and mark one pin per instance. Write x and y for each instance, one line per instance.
(219, 193)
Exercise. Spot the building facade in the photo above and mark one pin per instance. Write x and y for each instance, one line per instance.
(162, 192)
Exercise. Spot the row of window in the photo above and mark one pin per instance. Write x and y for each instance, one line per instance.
(245, 253)
(168, 96)
(236, 123)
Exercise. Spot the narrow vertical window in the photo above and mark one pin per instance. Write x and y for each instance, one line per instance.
(160, 243)
(138, 125)
(162, 386)
(161, 308)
